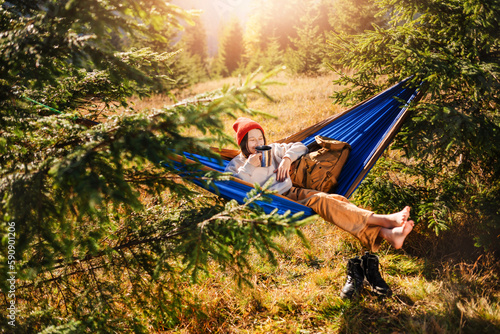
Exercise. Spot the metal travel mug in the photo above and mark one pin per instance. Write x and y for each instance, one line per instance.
(267, 156)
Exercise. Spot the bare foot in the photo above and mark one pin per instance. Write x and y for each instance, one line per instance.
(392, 220)
(396, 236)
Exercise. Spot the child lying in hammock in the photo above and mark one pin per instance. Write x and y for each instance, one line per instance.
(370, 228)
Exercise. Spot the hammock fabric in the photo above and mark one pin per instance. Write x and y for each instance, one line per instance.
(368, 127)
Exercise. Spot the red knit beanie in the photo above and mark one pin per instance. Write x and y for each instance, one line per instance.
(243, 125)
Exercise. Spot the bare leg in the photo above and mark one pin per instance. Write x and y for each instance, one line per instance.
(390, 221)
(397, 235)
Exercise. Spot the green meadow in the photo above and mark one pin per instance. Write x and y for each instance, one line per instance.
(447, 291)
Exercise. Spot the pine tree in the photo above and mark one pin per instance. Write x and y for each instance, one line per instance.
(266, 60)
(452, 141)
(306, 56)
(355, 16)
(192, 62)
(231, 47)
(324, 10)
(195, 39)
(282, 23)
(273, 55)
(105, 234)
(276, 19)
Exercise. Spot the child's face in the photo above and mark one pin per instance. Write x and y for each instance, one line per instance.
(255, 138)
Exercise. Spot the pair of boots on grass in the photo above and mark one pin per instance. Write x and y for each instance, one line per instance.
(359, 269)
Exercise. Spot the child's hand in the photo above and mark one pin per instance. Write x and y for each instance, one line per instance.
(283, 171)
(254, 159)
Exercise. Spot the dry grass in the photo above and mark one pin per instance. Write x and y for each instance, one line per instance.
(299, 102)
(301, 294)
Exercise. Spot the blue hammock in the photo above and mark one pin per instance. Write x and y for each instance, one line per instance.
(368, 127)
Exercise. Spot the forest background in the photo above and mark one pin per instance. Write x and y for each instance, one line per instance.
(99, 234)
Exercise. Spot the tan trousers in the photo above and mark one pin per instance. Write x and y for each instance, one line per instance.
(338, 210)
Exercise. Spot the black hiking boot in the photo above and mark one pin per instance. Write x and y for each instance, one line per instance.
(372, 275)
(355, 278)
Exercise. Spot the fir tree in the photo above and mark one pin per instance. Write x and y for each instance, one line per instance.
(355, 16)
(192, 62)
(231, 47)
(97, 248)
(273, 55)
(282, 23)
(195, 39)
(276, 19)
(267, 60)
(452, 141)
(324, 10)
(306, 56)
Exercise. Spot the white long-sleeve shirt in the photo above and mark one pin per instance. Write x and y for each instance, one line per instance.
(242, 169)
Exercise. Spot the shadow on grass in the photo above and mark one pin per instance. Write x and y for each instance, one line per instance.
(384, 316)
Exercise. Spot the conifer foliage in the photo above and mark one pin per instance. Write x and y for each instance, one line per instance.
(196, 39)
(307, 52)
(290, 33)
(96, 247)
(452, 140)
(356, 16)
(231, 47)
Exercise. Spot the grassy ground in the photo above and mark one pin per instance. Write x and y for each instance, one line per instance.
(301, 295)
(298, 103)
(437, 293)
